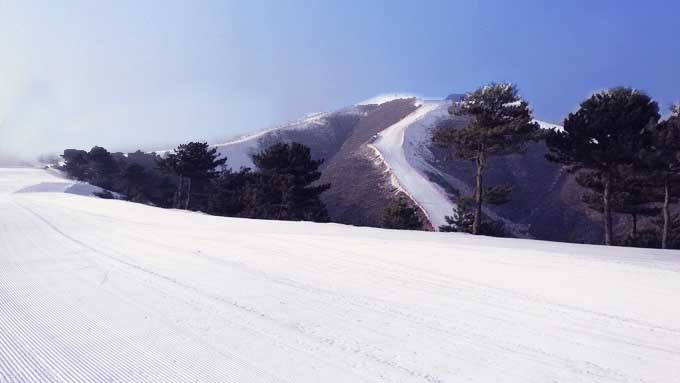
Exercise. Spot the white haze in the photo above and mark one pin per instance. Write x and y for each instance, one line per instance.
(126, 76)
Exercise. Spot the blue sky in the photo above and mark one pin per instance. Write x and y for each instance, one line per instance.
(128, 74)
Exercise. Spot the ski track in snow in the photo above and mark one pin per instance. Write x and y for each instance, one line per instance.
(402, 146)
(402, 160)
(98, 290)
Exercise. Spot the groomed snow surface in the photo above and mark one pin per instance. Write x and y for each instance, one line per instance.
(405, 165)
(98, 290)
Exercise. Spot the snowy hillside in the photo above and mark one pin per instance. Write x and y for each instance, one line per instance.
(239, 151)
(401, 150)
(98, 290)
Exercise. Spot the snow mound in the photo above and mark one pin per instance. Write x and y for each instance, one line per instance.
(79, 188)
(35, 180)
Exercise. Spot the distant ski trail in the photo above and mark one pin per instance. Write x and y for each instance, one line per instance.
(97, 290)
(391, 145)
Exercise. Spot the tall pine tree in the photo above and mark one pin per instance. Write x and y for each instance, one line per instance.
(631, 195)
(75, 163)
(102, 168)
(284, 186)
(463, 218)
(133, 178)
(662, 158)
(195, 164)
(500, 124)
(604, 137)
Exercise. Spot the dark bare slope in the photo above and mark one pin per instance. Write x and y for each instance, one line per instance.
(361, 187)
(545, 201)
(325, 140)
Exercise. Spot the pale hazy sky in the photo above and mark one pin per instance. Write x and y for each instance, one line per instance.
(148, 74)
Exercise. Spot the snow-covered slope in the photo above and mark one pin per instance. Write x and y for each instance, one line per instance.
(387, 97)
(403, 147)
(402, 144)
(98, 290)
(240, 150)
(401, 153)
(34, 180)
(548, 125)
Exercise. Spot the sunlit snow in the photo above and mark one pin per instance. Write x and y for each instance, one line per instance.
(96, 290)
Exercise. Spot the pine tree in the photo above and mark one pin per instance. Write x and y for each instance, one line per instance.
(463, 219)
(284, 187)
(135, 175)
(195, 164)
(651, 236)
(133, 178)
(604, 137)
(97, 166)
(662, 157)
(501, 124)
(400, 215)
(75, 163)
(157, 188)
(669, 227)
(228, 195)
(631, 195)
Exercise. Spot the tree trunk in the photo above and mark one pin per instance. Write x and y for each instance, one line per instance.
(606, 197)
(178, 193)
(633, 229)
(188, 201)
(479, 192)
(666, 212)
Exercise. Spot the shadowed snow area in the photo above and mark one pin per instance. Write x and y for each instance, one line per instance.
(99, 290)
(27, 180)
(61, 187)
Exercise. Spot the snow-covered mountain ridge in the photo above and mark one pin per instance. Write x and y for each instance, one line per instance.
(381, 147)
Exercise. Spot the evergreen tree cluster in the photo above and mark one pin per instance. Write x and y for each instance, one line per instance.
(400, 215)
(135, 176)
(194, 177)
(283, 187)
(616, 144)
(604, 138)
(626, 156)
(195, 165)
